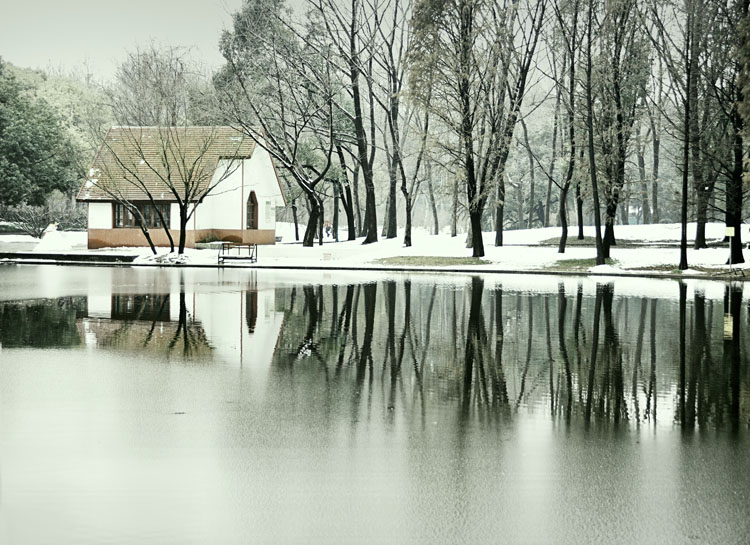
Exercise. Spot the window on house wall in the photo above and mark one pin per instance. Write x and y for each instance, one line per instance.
(126, 219)
(252, 211)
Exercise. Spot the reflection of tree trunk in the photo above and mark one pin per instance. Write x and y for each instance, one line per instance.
(355, 321)
(148, 338)
(594, 351)
(390, 306)
(732, 355)
(473, 340)
(683, 302)
(428, 324)
(182, 329)
(697, 348)
(407, 327)
(347, 316)
(549, 356)
(528, 354)
(651, 395)
(637, 366)
(562, 303)
(499, 386)
(311, 307)
(614, 360)
(577, 334)
(334, 311)
(365, 356)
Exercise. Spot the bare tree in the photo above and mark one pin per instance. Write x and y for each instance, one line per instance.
(279, 91)
(479, 56)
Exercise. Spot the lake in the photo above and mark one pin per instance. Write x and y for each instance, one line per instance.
(197, 406)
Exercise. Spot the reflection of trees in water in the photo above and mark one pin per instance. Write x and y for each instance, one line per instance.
(41, 323)
(189, 339)
(602, 358)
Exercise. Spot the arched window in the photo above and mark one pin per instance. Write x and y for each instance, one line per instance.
(252, 211)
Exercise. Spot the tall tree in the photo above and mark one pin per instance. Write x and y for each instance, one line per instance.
(279, 91)
(622, 73)
(36, 154)
(342, 32)
(479, 55)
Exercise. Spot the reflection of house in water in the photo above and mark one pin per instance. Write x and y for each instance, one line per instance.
(145, 322)
(238, 326)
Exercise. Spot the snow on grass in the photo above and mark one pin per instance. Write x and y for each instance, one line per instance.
(522, 251)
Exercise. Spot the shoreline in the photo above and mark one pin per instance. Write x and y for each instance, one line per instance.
(88, 260)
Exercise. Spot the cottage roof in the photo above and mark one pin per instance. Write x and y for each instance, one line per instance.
(135, 161)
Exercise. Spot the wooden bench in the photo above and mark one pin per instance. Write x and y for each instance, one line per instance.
(245, 252)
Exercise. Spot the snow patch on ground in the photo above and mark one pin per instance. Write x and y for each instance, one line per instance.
(62, 241)
(163, 259)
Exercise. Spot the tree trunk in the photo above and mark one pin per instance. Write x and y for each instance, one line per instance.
(336, 193)
(530, 221)
(555, 124)
(384, 229)
(700, 187)
(579, 210)
(371, 219)
(391, 226)
(407, 229)
(431, 195)
(592, 159)
(563, 214)
(701, 217)
(609, 229)
(625, 211)
(346, 196)
(321, 219)
(183, 227)
(454, 209)
(313, 220)
(646, 209)
(500, 212)
(565, 187)
(686, 152)
(296, 221)
(357, 206)
(148, 237)
(734, 191)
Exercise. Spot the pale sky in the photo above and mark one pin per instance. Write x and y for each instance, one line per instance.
(69, 33)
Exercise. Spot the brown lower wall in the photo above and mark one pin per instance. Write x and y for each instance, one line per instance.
(109, 238)
(255, 236)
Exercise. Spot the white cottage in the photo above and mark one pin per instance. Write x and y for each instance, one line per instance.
(230, 181)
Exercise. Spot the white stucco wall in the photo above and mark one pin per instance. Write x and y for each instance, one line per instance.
(226, 207)
(224, 319)
(222, 208)
(100, 215)
(174, 216)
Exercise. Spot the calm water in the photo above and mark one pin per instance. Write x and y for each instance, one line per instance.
(203, 406)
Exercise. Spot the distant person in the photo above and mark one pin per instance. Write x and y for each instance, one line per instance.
(539, 208)
(327, 227)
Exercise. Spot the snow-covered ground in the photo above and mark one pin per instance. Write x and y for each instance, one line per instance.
(657, 249)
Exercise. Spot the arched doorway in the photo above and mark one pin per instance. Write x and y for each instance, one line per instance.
(252, 211)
